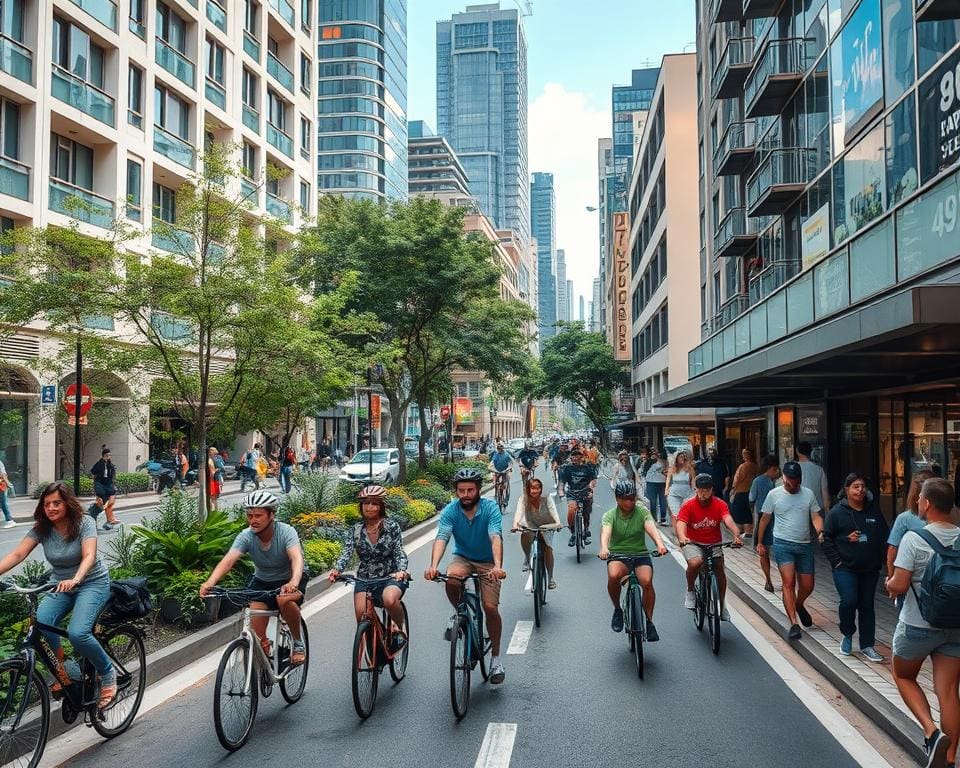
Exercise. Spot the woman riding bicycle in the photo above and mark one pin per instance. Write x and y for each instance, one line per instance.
(69, 541)
(378, 542)
(535, 511)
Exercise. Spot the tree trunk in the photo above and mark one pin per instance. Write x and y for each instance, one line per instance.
(424, 428)
(396, 428)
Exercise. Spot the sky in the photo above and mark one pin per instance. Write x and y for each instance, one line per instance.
(574, 58)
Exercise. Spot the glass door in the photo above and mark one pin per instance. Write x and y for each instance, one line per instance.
(13, 442)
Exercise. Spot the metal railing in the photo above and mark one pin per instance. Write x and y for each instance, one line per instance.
(783, 166)
(737, 136)
(738, 51)
(778, 56)
(771, 277)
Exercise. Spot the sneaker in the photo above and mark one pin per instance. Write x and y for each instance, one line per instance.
(10, 524)
(794, 633)
(768, 587)
(870, 654)
(846, 645)
(397, 643)
(573, 541)
(690, 601)
(497, 674)
(616, 623)
(586, 539)
(724, 613)
(664, 524)
(804, 615)
(936, 746)
(652, 634)
(552, 584)
(108, 526)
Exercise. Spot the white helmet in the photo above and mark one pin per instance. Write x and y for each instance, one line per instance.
(259, 499)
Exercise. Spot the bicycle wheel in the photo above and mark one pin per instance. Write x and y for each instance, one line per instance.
(460, 665)
(713, 612)
(234, 705)
(537, 587)
(366, 673)
(398, 664)
(293, 683)
(124, 646)
(636, 627)
(24, 715)
(578, 532)
(699, 612)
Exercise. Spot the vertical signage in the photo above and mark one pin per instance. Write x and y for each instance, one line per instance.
(939, 105)
(621, 284)
(375, 406)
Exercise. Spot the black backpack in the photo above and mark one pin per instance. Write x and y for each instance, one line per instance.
(939, 596)
(129, 601)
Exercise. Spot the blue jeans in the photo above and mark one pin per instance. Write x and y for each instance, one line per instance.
(857, 592)
(656, 496)
(286, 473)
(4, 506)
(85, 603)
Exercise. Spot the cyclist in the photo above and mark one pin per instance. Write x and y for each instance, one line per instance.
(560, 457)
(476, 526)
(69, 541)
(699, 521)
(591, 454)
(529, 458)
(624, 530)
(277, 558)
(378, 542)
(535, 511)
(577, 480)
(501, 463)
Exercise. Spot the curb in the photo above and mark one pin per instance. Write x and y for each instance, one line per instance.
(889, 718)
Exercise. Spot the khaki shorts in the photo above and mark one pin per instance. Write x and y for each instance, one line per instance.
(693, 552)
(489, 590)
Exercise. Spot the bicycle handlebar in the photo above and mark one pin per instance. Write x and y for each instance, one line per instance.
(525, 529)
(462, 579)
(350, 578)
(34, 590)
(242, 595)
(712, 547)
(621, 557)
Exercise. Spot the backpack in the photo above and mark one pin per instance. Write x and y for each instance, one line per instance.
(939, 597)
(129, 601)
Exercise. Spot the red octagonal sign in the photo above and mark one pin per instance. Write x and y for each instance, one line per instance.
(70, 400)
(444, 412)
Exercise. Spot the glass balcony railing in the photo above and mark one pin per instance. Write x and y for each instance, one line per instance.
(779, 67)
(734, 235)
(216, 94)
(249, 192)
(279, 72)
(771, 277)
(174, 148)
(14, 178)
(280, 140)
(217, 15)
(138, 28)
(80, 204)
(78, 93)
(285, 10)
(251, 46)
(251, 118)
(278, 207)
(168, 238)
(738, 139)
(16, 59)
(103, 11)
(175, 63)
(781, 176)
(730, 310)
(733, 67)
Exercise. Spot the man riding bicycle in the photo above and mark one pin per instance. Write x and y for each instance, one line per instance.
(699, 522)
(624, 531)
(501, 463)
(476, 526)
(528, 458)
(577, 480)
(277, 558)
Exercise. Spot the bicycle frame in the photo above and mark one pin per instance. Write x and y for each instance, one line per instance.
(474, 615)
(257, 655)
(378, 618)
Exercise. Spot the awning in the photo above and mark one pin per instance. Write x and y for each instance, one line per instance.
(670, 418)
(902, 341)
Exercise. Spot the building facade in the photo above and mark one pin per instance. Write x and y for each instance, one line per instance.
(543, 226)
(362, 98)
(626, 101)
(562, 302)
(830, 276)
(482, 108)
(605, 181)
(434, 168)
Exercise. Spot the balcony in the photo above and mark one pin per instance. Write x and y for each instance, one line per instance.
(733, 236)
(16, 59)
(80, 204)
(931, 10)
(779, 181)
(172, 240)
(279, 72)
(760, 9)
(175, 63)
(103, 11)
(771, 277)
(251, 118)
(14, 178)
(80, 94)
(726, 10)
(776, 75)
(216, 94)
(249, 192)
(217, 16)
(278, 139)
(733, 68)
(736, 149)
(730, 310)
(285, 10)
(174, 148)
(251, 46)
(278, 207)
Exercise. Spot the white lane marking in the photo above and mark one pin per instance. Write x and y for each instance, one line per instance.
(529, 585)
(520, 638)
(78, 739)
(497, 746)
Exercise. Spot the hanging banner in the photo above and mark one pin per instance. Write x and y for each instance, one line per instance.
(939, 109)
(621, 285)
(375, 406)
(463, 410)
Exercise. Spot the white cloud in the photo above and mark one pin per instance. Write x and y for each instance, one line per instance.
(564, 131)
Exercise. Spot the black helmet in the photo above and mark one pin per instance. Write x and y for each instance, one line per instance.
(468, 475)
(625, 488)
(703, 480)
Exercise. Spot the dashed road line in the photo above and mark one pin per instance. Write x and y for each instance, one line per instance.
(520, 638)
(497, 747)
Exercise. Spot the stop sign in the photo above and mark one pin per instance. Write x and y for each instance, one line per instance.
(444, 412)
(70, 400)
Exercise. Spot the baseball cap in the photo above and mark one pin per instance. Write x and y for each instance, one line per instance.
(703, 480)
(792, 470)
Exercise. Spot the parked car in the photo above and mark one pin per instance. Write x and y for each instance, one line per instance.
(674, 443)
(515, 445)
(386, 466)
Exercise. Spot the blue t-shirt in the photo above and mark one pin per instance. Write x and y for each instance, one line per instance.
(501, 460)
(528, 457)
(906, 521)
(759, 488)
(471, 537)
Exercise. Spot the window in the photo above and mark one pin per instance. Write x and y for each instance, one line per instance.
(273, 184)
(306, 16)
(138, 17)
(859, 186)
(248, 158)
(215, 58)
(135, 96)
(276, 110)
(901, 151)
(273, 46)
(71, 162)
(171, 28)
(164, 203)
(305, 196)
(74, 52)
(251, 15)
(306, 73)
(250, 89)
(10, 129)
(897, 49)
(134, 194)
(305, 137)
(171, 112)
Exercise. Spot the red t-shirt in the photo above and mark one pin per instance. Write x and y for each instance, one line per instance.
(703, 522)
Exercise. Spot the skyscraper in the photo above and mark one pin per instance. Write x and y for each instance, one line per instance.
(570, 301)
(482, 108)
(562, 298)
(543, 228)
(628, 99)
(362, 99)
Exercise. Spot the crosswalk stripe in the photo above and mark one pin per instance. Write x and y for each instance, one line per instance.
(497, 747)
(521, 637)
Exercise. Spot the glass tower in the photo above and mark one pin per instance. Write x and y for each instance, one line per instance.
(362, 98)
(628, 99)
(543, 228)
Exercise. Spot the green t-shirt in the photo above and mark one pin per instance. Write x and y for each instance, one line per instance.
(628, 536)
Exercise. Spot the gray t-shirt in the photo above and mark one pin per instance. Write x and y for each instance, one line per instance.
(812, 478)
(913, 555)
(271, 563)
(656, 473)
(791, 511)
(65, 555)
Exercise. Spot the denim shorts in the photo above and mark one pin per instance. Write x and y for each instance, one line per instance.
(800, 556)
(916, 643)
(377, 590)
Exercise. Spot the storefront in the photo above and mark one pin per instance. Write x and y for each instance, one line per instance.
(694, 430)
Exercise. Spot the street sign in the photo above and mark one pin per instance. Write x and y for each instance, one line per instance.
(444, 412)
(48, 394)
(72, 421)
(70, 401)
(378, 370)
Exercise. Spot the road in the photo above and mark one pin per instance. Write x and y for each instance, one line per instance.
(573, 695)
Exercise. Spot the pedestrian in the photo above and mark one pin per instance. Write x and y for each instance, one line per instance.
(8, 521)
(655, 485)
(855, 542)
(909, 519)
(679, 484)
(303, 458)
(624, 470)
(762, 484)
(104, 486)
(916, 636)
(740, 498)
(251, 461)
(349, 450)
(716, 467)
(814, 477)
(286, 469)
(182, 465)
(793, 508)
(214, 483)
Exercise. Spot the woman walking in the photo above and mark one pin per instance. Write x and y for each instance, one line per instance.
(655, 480)
(623, 470)
(908, 520)
(680, 487)
(740, 493)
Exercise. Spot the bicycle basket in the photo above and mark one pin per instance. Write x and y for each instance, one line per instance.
(129, 601)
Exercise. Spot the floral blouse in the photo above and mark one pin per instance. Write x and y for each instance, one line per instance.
(378, 560)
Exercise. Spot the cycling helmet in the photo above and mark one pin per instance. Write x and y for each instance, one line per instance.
(468, 475)
(625, 488)
(263, 499)
(703, 480)
(372, 492)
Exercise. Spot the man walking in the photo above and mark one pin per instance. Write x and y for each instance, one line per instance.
(716, 467)
(814, 477)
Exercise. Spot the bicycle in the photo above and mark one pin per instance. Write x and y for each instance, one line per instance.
(466, 648)
(237, 686)
(631, 602)
(707, 591)
(25, 697)
(538, 569)
(526, 474)
(502, 490)
(373, 648)
(579, 528)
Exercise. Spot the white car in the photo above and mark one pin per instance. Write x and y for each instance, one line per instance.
(386, 466)
(515, 445)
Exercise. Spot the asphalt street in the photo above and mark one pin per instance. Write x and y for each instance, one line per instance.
(573, 695)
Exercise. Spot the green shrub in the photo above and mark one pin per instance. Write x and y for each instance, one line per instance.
(346, 493)
(176, 512)
(121, 550)
(86, 486)
(319, 525)
(402, 515)
(420, 510)
(116, 573)
(185, 589)
(312, 492)
(321, 554)
(427, 491)
(349, 512)
(132, 482)
(442, 473)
